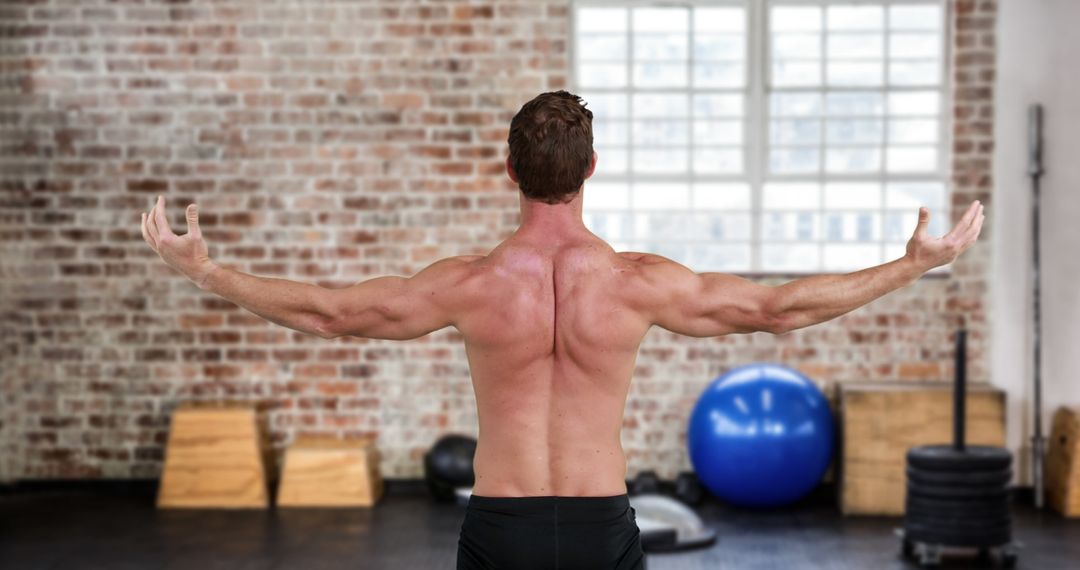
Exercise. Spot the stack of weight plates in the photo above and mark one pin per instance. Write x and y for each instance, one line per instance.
(958, 497)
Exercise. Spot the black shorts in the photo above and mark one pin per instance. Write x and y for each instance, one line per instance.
(550, 533)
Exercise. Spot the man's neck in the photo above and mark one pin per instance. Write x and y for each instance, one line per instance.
(551, 220)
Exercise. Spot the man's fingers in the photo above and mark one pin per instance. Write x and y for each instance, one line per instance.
(145, 232)
(966, 219)
(193, 220)
(924, 221)
(160, 219)
(151, 227)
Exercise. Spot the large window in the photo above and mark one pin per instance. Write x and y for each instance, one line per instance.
(779, 136)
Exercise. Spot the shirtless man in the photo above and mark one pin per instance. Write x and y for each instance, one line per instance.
(552, 320)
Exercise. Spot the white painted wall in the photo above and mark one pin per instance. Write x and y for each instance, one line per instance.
(1038, 57)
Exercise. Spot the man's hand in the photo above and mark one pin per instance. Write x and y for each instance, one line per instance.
(929, 252)
(187, 253)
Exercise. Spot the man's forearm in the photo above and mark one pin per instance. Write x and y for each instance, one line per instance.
(812, 300)
(288, 303)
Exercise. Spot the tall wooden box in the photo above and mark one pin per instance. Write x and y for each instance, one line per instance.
(323, 471)
(1063, 463)
(216, 457)
(880, 421)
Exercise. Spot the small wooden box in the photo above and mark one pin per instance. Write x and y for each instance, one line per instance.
(216, 458)
(1063, 463)
(880, 421)
(324, 471)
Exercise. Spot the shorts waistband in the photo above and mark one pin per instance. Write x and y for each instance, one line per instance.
(544, 504)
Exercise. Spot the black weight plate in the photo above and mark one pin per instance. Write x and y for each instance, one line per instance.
(958, 522)
(933, 507)
(999, 477)
(962, 493)
(985, 514)
(975, 458)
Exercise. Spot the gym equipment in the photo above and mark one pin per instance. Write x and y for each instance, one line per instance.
(216, 457)
(761, 435)
(688, 488)
(449, 465)
(328, 471)
(881, 421)
(667, 525)
(958, 495)
(645, 482)
(1063, 462)
(1035, 171)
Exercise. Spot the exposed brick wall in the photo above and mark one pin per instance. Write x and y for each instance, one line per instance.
(328, 142)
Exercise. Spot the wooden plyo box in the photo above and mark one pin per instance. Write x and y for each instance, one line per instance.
(880, 421)
(216, 458)
(324, 471)
(1062, 476)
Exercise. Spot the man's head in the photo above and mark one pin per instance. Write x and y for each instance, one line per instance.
(551, 152)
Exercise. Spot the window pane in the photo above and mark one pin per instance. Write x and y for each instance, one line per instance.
(721, 197)
(850, 196)
(605, 106)
(673, 105)
(717, 132)
(661, 20)
(795, 104)
(856, 46)
(789, 257)
(660, 46)
(856, 17)
(726, 47)
(914, 73)
(661, 196)
(791, 196)
(855, 74)
(601, 19)
(718, 74)
(606, 195)
(796, 46)
(718, 105)
(913, 195)
(912, 159)
(612, 226)
(914, 103)
(725, 257)
(854, 103)
(661, 133)
(852, 226)
(791, 226)
(840, 257)
(718, 160)
(915, 45)
(794, 160)
(851, 160)
(800, 131)
(610, 160)
(795, 18)
(602, 75)
(660, 74)
(913, 130)
(796, 73)
(719, 20)
(853, 131)
(602, 47)
(921, 17)
(609, 132)
(668, 161)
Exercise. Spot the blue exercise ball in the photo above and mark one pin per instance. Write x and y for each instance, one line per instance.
(761, 436)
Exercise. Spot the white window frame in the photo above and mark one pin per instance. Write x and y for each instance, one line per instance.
(756, 118)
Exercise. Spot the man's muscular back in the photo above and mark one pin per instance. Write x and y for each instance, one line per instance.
(551, 342)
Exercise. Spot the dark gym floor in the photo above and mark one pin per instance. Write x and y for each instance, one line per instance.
(88, 530)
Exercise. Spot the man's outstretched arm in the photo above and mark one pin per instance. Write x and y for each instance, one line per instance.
(385, 307)
(713, 304)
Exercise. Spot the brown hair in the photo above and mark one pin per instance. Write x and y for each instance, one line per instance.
(551, 146)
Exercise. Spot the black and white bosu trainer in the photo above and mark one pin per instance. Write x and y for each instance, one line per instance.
(958, 495)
